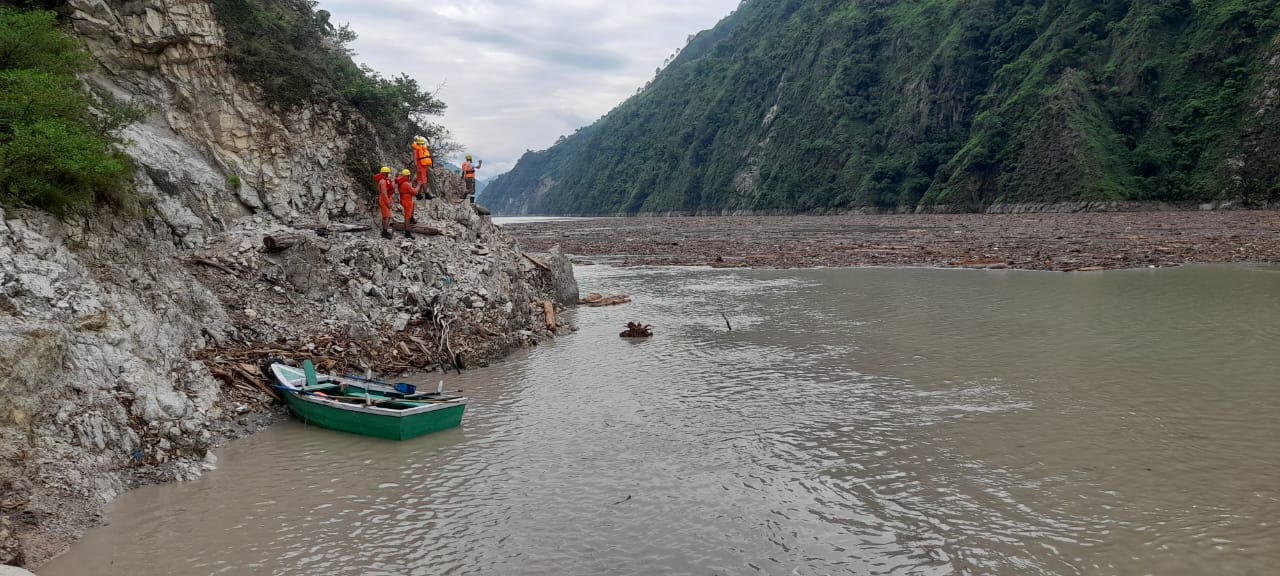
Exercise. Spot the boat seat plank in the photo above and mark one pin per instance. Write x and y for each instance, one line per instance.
(323, 386)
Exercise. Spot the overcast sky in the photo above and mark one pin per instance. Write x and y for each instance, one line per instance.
(519, 73)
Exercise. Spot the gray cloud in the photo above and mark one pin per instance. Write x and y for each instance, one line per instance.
(517, 74)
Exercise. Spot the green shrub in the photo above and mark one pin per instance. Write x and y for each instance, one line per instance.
(233, 181)
(56, 153)
(296, 56)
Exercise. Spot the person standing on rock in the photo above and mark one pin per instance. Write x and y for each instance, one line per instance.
(469, 177)
(386, 197)
(421, 159)
(407, 191)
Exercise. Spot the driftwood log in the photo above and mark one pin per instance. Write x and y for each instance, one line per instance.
(417, 229)
(336, 227)
(280, 242)
(596, 300)
(549, 314)
(213, 264)
(245, 373)
(536, 262)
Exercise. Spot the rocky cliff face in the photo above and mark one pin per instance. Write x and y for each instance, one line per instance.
(211, 151)
(100, 392)
(122, 339)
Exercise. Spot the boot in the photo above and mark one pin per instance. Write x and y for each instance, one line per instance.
(386, 234)
(413, 220)
(408, 235)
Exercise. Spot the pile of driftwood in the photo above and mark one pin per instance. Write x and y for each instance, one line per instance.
(243, 376)
(239, 366)
(636, 330)
(283, 241)
(595, 300)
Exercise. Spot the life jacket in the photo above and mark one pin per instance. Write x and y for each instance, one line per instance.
(384, 185)
(421, 154)
(406, 189)
(468, 171)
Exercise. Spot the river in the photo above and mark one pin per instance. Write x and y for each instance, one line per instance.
(854, 421)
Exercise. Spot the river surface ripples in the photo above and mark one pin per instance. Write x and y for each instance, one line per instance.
(865, 421)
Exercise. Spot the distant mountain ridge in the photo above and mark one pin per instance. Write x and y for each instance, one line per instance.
(804, 105)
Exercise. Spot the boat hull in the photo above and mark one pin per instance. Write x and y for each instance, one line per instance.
(365, 407)
(369, 424)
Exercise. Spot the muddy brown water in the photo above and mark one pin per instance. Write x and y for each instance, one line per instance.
(865, 421)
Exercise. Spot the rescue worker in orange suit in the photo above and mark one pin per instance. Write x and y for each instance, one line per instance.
(386, 197)
(407, 191)
(421, 159)
(469, 177)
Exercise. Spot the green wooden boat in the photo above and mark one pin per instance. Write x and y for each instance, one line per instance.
(365, 407)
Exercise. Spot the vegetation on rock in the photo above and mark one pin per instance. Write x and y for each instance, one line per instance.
(56, 140)
(833, 104)
(297, 56)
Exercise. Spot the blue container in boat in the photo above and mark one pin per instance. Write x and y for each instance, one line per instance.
(406, 389)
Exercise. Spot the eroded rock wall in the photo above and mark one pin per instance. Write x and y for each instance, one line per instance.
(210, 150)
(99, 393)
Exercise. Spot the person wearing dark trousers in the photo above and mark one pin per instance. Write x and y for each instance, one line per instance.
(469, 177)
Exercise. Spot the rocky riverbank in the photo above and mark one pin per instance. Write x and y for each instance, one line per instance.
(1035, 241)
(129, 340)
(127, 360)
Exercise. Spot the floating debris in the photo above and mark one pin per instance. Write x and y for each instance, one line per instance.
(636, 330)
(596, 300)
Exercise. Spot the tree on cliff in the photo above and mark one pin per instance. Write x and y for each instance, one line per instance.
(56, 141)
(297, 57)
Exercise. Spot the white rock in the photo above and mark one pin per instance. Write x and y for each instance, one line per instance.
(38, 285)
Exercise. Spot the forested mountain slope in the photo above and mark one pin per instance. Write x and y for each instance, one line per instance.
(830, 104)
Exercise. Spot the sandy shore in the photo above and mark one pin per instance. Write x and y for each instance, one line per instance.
(1066, 242)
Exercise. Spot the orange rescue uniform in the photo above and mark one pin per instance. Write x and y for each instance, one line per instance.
(406, 197)
(386, 196)
(421, 159)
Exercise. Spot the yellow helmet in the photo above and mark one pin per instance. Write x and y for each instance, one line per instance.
(420, 140)
(468, 156)
(385, 170)
(405, 172)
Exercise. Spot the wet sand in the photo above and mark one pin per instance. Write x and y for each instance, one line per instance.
(1066, 242)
